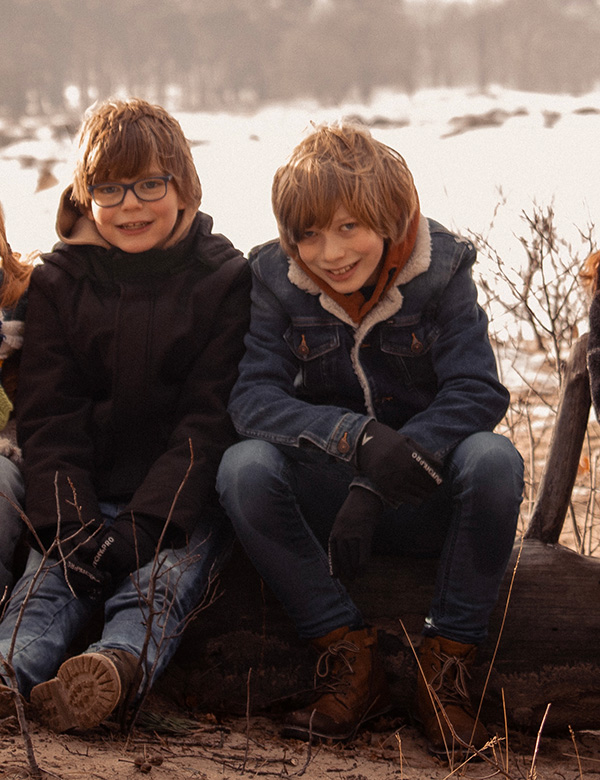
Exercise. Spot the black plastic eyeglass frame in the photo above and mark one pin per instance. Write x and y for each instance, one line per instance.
(92, 187)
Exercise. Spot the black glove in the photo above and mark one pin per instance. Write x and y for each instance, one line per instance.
(76, 549)
(352, 532)
(121, 550)
(85, 579)
(403, 471)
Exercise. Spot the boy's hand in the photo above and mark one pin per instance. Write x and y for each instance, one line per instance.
(85, 579)
(78, 546)
(403, 471)
(122, 550)
(352, 533)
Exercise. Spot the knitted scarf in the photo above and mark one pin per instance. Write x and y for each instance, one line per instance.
(394, 260)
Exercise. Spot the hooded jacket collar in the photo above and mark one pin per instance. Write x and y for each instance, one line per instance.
(75, 228)
(109, 264)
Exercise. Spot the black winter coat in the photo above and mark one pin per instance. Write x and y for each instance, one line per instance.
(126, 371)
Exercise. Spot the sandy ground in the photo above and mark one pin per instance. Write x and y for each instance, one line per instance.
(172, 744)
(171, 741)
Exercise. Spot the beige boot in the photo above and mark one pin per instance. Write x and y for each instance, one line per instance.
(352, 685)
(86, 690)
(443, 704)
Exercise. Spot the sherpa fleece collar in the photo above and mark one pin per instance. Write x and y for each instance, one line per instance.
(394, 259)
(418, 262)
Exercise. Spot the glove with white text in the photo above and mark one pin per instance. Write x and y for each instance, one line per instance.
(127, 545)
(403, 471)
(76, 548)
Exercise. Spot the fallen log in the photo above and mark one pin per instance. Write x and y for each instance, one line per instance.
(243, 653)
(544, 640)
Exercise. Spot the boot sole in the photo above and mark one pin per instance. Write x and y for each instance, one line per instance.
(86, 689)
(453, 749)
(376, 709)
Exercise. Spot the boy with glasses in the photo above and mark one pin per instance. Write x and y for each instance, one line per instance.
(135, 329)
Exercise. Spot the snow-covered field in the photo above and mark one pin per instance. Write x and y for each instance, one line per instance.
(459, 174)
(469, 152)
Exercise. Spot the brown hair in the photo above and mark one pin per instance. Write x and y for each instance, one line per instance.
(589, 272)
(16, 273)
(343, 163)
(123, 139)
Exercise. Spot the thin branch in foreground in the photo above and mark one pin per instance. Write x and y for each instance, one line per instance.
(247, 746)
(532, 773)
(572, 733)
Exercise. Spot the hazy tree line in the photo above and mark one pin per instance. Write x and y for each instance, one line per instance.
(205, 54)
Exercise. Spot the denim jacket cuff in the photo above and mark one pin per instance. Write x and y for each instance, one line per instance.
(344, 439)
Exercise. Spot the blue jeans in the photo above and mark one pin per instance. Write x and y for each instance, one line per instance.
(53, 617)
(12, 526)
(282, 504)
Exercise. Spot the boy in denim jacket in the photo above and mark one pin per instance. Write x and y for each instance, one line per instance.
(368, 396)
(135, 326)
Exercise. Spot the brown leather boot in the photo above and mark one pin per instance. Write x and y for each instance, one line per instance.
(352, 685)
(443, 704)
(87, 689)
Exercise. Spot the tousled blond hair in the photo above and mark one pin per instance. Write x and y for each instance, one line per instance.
(343, 163)
(589, 272)
(122, 139)
(15, 272)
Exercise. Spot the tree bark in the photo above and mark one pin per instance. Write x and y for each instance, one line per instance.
(542, 646)
(560, 470)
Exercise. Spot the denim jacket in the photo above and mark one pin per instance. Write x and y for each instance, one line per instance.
(420, 361)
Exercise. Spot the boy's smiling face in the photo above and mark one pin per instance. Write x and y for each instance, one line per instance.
(345, 254)
(136, 225)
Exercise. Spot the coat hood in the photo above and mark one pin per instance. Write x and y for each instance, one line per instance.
(74, 227)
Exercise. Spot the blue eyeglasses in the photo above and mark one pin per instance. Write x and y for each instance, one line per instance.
(113, 193)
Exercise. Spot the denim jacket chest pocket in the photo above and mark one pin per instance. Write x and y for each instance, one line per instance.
(407, 343)
(322, 354)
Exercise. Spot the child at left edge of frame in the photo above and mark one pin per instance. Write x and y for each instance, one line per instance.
(15, 272)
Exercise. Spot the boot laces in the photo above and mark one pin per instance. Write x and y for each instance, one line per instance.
(333, 664)
(450, 682)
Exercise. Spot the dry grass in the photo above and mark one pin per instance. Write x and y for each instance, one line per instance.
(529, 423)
